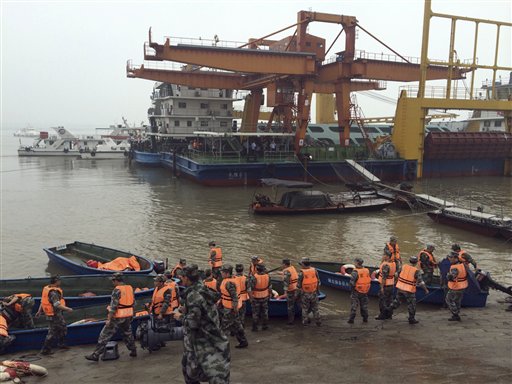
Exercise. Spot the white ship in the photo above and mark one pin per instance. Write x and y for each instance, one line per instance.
(107, 149)
(28, 131)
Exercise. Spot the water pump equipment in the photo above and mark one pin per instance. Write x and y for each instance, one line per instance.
(152, 335)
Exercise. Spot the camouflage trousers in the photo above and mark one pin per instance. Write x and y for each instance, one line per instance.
(358, 299)
(454, 300)
(291, 299)
(57, 331)
(259, 309)
(408, 297)
(242, 312)
(309, 303)
(385, 300)
(108, 331)
(26, 319)
(428, 275)
(230, 322)
(193, 374)
(5, 341)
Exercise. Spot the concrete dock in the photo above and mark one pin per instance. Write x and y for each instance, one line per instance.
(476, 350)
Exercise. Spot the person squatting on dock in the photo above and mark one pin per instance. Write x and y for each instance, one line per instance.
(408, 279)
(230, 305)
(309, 285)
(206, 354)
(360, 282)
(53, 304)
(120, 315)
(457, 283)
(260, 291)
(387, 272)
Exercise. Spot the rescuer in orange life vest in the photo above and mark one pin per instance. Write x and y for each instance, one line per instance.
(53, 304)
(210, 281)
(393, 250)
(215, 259)
(255, 260)
(360, 282)
(231, 304)
(21, 304)
(387, 272)
(177, 271)
(463, 256)
(428, 263)
(260, 291)
(457, 283)
(409, 277)
(308, 285)
(290, 280)
(164, 301)
(120, 315)
(5, 338)
(244, 296)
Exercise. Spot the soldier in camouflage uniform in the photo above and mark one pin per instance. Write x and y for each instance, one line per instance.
(120, 315)
(409, 278)
(5, 338)
(230, 305)
(360, 282)
(457, 281)
(260, 291)
(244, 296)
(206, 355)
(387, 272)
(428, 263)
(52, 304)
(21, 304)
(308, 285)
(291, 293)
(464, 257)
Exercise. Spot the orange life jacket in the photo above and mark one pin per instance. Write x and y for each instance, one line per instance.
(391, 276)
(3, 326)
(462, 259)
(45, 299)
(461, 282)
(126, 301)
(227, 301)
(309, 280)
(141, 313)
(395, 252)
(242, 281)
(294, 278)
(363, 280)
(261, 289)
(212, 284)
(21, 296)
(175, 270)
(252, 267)
(121, 264)
(430, 257)
(158, 300)
(217, 261)
(407, 280)
(174, 297)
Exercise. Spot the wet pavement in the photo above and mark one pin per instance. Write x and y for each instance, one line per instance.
(476, 350)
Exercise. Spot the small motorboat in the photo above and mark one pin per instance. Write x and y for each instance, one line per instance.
(279, 308)
(474, 295)
(79, 291)
(74, 256)
(304, 201)
(83, 325)
(475, 221)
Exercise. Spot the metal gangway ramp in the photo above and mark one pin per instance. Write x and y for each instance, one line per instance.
(422, 198)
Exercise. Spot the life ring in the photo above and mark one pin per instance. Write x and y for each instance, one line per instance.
(357, 198)
(93, 153)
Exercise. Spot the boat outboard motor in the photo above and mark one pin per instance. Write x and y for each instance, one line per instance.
(485, 280)
(159, 266)
(151, 336)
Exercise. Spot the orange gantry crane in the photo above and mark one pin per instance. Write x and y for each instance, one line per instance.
(291, 70)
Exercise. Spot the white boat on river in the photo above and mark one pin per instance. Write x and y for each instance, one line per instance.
(107, 149)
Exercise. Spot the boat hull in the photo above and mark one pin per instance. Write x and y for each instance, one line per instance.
(471, 226)
(148, 159)
(73, 286)
(73, 256)
(279, 308)
(341, 209)
(50, 153)
(103, 155)
(473, 296)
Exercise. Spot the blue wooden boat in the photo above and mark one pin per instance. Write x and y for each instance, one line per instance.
(148, 159)
(75, 286)
(474, 296)
(73, 256)
(79, 333)
(279, 308)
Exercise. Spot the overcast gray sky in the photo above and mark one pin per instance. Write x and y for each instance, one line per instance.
(63, 62)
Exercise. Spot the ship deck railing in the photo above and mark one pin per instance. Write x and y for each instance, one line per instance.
(236, 157)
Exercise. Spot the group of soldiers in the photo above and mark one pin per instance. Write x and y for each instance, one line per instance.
(405, 278)
(213, 305)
